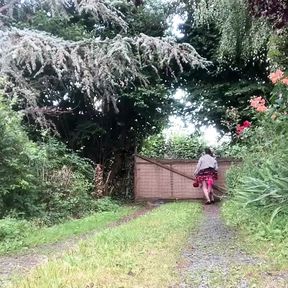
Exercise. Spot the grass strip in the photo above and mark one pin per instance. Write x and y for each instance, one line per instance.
(46, 235)
(141, 253)
(260, 235)
(262, 238)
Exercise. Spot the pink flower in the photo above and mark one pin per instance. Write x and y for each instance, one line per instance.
(240, 128)
(256, 101)
(276, 76)
(261, 108)
(246, 124)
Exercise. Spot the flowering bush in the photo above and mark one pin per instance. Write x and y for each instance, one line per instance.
(279, 101)
(259, 104)
(261, 181)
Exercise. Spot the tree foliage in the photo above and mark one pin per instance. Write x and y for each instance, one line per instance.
(237, 44)
(96, 71)
(276, 11)
(242, 38)
(278, 46)
(99, 68)
(100, 10)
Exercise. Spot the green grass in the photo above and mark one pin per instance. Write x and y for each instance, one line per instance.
(63, 231)
(262, 237)
(141, 253)
(265, 235)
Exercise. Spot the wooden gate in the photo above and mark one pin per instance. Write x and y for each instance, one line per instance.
(172, 179)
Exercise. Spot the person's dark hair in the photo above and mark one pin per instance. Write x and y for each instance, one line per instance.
(208, 151)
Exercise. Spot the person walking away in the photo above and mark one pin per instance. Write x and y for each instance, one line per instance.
(206, 174)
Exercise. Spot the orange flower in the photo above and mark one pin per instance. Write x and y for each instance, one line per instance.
(285, 81)
(261, 108)
(276, 76)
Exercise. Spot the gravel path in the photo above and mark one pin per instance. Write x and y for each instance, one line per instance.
(25, 261)
(214, 258)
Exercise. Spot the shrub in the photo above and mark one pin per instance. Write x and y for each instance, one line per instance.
(19, 181)
(177, 147)
(263, 177)
(14, 229)
(259, 187)
(40, 180)
(106, 204)
(154, 146)
(231, 150)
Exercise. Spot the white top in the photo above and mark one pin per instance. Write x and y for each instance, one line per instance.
(206, 161)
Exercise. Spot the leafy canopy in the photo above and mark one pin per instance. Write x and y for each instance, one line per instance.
(99, 68)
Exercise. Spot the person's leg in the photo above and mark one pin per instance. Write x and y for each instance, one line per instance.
(212, 199)
(209, 189)
(205, 191)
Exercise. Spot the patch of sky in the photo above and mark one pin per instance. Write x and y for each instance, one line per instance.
(180, 126)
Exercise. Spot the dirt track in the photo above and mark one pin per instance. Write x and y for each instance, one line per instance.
(23, 262)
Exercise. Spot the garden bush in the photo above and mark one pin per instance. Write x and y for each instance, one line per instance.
(14, 229)
(106, 204)
(176, 147)
(44, 181)
(258, 187)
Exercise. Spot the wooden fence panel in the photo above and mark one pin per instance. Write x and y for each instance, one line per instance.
(155, 182)
(183, 187)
